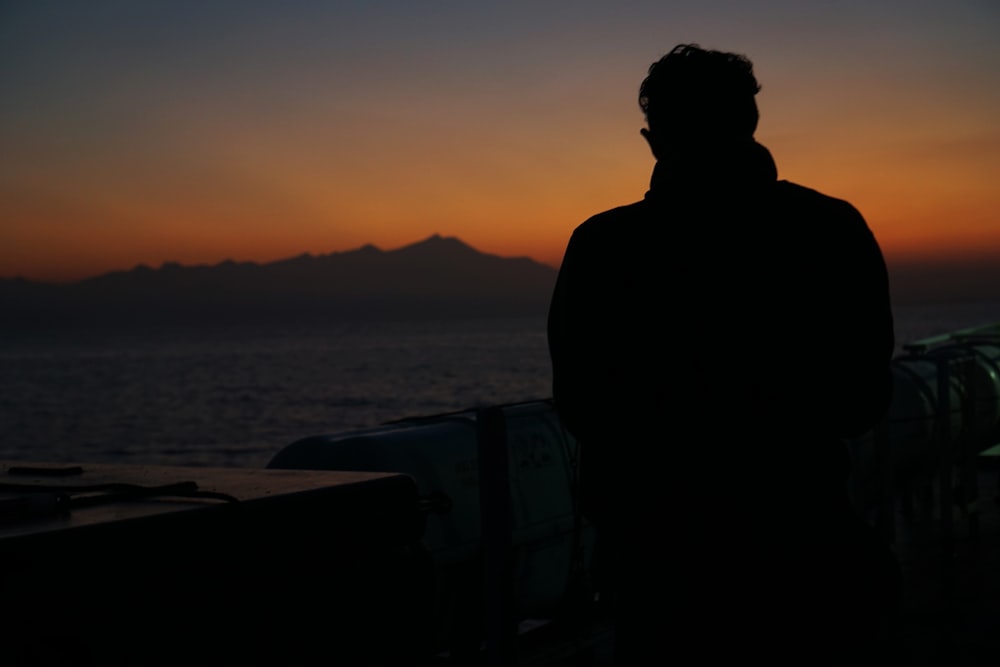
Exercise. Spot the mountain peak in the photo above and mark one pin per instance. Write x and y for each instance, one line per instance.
(438, 245)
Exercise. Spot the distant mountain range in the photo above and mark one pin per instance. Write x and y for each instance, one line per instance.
(437, 277)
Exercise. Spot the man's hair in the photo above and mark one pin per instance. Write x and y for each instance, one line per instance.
(695, 95)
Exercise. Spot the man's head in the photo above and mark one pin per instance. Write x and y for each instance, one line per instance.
(695, 99)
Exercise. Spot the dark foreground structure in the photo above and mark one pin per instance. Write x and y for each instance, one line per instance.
(117, 565)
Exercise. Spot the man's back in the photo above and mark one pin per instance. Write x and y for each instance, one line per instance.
(757, 309)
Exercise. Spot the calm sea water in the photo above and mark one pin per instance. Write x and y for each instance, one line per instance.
(236, 397)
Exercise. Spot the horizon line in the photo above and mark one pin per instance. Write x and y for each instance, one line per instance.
(899, 260)
(265, 262)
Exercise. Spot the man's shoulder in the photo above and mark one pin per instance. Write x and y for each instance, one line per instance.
(612, 219)
(829, 221)
(800, 195)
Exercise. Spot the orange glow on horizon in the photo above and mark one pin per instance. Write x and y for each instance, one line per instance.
(926, 191)
(79, 253)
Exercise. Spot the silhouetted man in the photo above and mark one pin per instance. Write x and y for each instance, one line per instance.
(711, 345)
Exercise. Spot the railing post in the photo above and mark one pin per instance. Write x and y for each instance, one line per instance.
(947, 458)
(497, 528)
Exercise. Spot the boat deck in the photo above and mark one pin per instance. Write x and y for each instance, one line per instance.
(951, 614)
(951, 596)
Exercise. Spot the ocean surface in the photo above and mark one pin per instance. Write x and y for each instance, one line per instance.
(235, 397)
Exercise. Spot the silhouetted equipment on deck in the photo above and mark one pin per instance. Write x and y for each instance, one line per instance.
(945, 414)
(548, 544)
(150, 565)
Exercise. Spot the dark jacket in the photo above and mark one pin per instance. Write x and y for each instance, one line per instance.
(727, 330)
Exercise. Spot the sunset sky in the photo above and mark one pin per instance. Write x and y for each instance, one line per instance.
(202, 130)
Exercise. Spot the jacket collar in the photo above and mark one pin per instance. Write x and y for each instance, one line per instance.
(742, 166)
